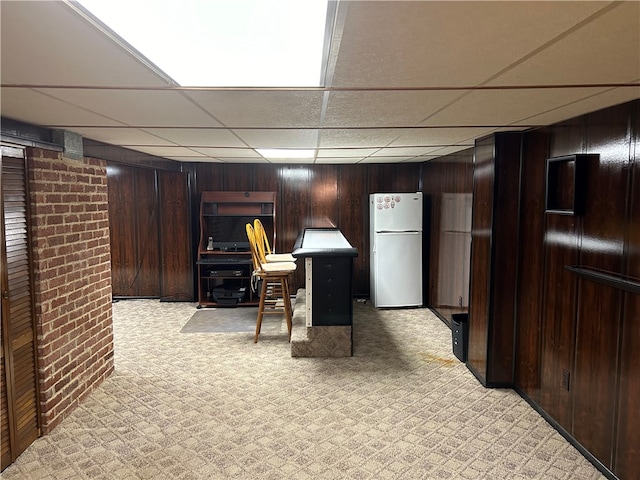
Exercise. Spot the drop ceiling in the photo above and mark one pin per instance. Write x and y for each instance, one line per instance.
(404, 81)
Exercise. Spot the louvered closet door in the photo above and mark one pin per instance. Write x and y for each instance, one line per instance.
(20, 418)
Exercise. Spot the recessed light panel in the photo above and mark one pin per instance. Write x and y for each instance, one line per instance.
(241, 43)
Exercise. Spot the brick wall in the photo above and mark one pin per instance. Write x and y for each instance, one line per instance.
(72, 279)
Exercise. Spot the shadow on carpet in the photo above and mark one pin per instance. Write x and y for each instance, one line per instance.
(230, 320)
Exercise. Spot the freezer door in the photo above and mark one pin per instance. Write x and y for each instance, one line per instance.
(398, 270)
(396, 211)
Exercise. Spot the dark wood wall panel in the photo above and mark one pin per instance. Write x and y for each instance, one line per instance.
(147, 213)
(175, 229)
(504, 257)
(494, 233)
(206, 177)
(530, 263)
(481, 237)
(122, 227)
(560, 247)
(599, 307)
(354, 221)
(294, 214)
(148, 218)
(595, 371)
(558, 323)
(401, 178)
(606, 190)
(238, 177)
(627, 448)
(324, 195)
(582, 341)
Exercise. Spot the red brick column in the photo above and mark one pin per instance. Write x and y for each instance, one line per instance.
(72, 279)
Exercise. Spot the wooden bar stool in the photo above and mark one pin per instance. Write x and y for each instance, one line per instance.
(275, 297)
(264, 249)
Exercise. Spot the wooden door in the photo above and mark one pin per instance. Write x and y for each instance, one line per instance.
(19, 389)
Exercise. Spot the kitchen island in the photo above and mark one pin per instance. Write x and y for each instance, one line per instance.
(326, 301)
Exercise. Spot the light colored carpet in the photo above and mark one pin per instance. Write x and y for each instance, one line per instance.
(213, 406)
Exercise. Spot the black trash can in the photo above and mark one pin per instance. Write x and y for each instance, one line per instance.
(460, 335)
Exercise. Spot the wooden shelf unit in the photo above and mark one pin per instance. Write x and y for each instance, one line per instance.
(224, 273)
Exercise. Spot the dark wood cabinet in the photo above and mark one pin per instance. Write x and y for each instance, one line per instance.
(224, 263)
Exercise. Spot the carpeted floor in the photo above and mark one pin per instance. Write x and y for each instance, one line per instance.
(230, 320)
(212, 406)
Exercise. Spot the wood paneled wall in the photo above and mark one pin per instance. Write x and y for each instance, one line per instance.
(176, 264)
(577, 341)
(151, 214)
(150, 233)
(313, 195)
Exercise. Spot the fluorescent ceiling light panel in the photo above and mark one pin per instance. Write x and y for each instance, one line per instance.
(281, 153)
(224, 43)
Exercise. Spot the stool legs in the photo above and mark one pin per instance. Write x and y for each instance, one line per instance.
(276, 287)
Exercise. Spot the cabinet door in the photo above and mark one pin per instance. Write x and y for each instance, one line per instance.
(20, 418)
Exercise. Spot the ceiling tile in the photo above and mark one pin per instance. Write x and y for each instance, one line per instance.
(403, 151)
(346, 152)
(227, 152)
(390, 159)
(137, 107)
(586, 55)
(121, 136)
(262, 108)
(167, 152)
(384, 109)
(279, 138)
(204, 137)
(34, 107)
(244, 160)
(449, 150)
(502, 108)
(359, 138)
(589, 104)
(440, 44)
(338, 160)
(438, 137)
(69, 49)
(202, 159)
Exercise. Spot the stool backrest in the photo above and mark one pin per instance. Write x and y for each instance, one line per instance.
(251, 236)
(262, 241)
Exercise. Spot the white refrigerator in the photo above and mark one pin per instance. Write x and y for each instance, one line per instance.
(396, 249)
